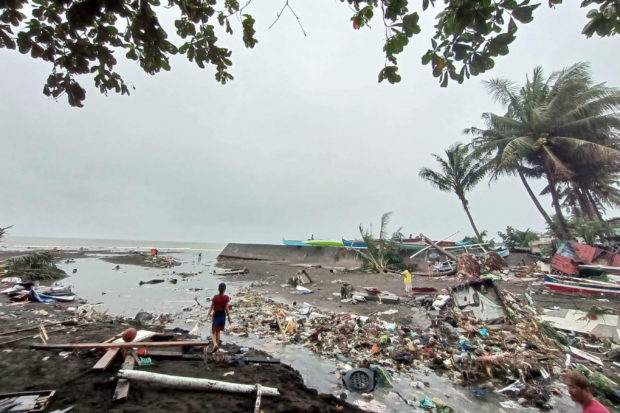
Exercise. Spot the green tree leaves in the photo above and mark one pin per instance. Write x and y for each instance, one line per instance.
(82, 37)
(605, 21)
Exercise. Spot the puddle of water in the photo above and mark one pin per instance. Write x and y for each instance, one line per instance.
(120, 292)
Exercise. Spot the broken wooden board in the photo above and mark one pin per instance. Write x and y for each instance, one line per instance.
(31, 401)
(111, 353)
(122, 387)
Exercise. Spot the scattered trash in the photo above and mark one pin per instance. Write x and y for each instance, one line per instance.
(302, 290)
(426, 403)
(359, 380)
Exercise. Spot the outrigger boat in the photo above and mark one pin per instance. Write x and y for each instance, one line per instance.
(580, 285)
(294, 243)
(324, 243)
(353, 243)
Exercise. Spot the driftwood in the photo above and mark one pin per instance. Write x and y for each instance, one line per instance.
(121, 345)
(32, 336)
(6, 333)
(194, 383)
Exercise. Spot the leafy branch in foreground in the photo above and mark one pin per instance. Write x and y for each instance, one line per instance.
(381, 254)
(85, 37)
(38, 266)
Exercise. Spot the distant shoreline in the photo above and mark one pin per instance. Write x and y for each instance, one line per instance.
(114, 245)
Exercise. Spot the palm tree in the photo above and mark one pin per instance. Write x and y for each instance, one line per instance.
(3, 231)
(381, 254)
(553, 124)
(460, 172)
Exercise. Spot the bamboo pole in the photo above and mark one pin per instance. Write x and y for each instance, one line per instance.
(122, 345)
(438, 248)
(5, 333)
(194, 383)
(27, 337)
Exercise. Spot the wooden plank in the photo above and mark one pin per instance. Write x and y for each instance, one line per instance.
(111, 353)
(122, 387)
(122, 345)
(165, 354)
(106, 359)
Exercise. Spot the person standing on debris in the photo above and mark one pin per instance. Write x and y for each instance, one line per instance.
(407, 280)
(220, 311)
(199, 257)
(581, 392)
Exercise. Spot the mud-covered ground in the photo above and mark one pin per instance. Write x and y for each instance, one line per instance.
(270, 279)
(25, 369)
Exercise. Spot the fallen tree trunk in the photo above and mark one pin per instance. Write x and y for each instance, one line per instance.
(194, 383)
(122, 345)
(438, 248)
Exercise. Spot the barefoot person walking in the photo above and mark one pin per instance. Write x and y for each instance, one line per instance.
(219, 310)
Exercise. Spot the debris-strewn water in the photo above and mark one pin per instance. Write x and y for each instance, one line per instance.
(119, 293)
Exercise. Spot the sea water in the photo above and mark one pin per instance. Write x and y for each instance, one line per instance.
(92, 244)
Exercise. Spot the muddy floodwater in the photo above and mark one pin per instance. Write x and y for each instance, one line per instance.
(119, 293)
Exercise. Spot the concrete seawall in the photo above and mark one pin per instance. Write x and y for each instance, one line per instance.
(331, 256)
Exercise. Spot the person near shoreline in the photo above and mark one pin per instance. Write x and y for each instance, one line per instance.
(580, 391)
(220, 311)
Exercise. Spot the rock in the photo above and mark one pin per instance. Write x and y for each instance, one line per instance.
(143, 317)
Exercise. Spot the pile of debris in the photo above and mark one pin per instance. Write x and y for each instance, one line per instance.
(18, 290)
(478, 334)
(161, 261)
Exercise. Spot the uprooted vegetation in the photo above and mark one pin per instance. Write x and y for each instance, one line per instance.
(381, 254)
(38, 266)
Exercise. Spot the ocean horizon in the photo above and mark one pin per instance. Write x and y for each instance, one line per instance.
(27, 242)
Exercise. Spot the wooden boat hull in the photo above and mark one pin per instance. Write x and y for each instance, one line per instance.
(577, 286)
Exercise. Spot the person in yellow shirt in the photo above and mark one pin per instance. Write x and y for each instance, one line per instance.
(407, 280)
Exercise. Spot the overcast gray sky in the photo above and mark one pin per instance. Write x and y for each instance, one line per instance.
(303, 141)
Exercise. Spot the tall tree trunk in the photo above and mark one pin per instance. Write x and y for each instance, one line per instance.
(471, 220)
(595, 208)
(584, 203)
(534, 199)
(564, 232)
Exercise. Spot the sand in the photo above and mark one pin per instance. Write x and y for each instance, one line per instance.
(76, 385)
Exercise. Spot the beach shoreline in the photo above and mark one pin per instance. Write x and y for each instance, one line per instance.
(271, 280)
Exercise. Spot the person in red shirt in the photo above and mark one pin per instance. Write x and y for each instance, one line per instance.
(581, 392)
(220, 311)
